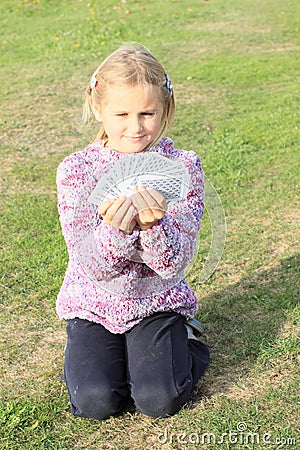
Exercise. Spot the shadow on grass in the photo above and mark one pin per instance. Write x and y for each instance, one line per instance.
(245, 322)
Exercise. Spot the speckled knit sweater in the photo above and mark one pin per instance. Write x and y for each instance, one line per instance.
(116, 279)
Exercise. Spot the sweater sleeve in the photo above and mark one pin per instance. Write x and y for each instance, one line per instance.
(168, 247)
(100, 249)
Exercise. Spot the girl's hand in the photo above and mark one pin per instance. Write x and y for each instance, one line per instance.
(119, 213)
(150, 204)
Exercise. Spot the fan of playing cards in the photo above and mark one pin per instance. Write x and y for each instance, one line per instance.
(170, 177)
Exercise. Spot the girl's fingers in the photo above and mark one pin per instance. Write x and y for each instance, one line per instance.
(138, 199)
(157, 197)
(149, 203)
(145, 212)
(123, 216)
(132, 224)
(119, 213)
(105, 205)
(145, 206)
(113, 208)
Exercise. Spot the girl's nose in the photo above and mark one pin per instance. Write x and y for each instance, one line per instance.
(135, 124)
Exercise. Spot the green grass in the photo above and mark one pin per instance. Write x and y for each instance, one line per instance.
(235, 70)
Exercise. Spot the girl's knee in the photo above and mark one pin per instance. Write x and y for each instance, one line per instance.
(160, 402)
(95, 402)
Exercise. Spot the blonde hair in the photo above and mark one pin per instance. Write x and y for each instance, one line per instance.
(130, 65)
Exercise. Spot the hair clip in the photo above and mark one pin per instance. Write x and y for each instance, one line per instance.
(169, 84)
(94, 83)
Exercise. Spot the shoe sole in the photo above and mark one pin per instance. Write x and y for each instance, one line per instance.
(196, 325)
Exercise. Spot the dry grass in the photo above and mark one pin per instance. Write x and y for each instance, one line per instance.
(248, 305)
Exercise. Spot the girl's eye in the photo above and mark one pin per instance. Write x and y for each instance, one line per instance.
(143, 114)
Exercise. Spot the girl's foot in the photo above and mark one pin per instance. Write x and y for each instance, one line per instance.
(194, 328)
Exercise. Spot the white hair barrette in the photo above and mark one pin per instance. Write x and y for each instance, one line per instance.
(94, 83)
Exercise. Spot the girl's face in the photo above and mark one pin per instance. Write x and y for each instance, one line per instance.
(131, 117)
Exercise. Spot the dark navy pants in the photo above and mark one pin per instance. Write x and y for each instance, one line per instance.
(153, 364)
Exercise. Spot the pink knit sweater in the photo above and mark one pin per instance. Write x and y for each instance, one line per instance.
(117, 279)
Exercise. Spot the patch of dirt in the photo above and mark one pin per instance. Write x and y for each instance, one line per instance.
(38, 131)
(29, 354)
(189, 94)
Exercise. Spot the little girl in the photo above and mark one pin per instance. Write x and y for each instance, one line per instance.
(125, 299)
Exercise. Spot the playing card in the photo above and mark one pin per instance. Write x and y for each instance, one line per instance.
(170, 177)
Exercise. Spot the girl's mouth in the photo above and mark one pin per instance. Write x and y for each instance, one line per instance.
(134, 138)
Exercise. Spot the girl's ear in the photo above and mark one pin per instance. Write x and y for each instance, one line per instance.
(96, 112)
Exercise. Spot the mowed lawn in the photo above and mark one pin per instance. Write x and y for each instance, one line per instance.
(235, 70)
